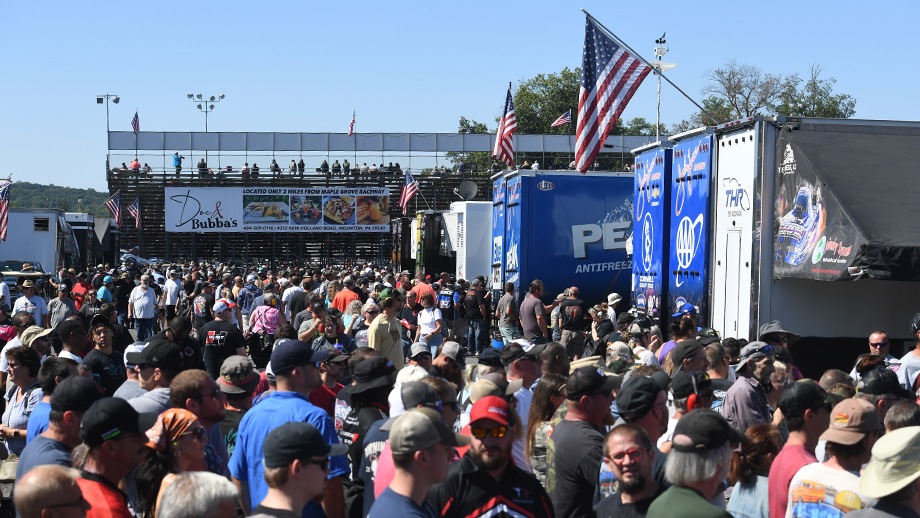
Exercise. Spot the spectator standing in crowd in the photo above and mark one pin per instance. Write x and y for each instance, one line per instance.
(690, 390)
(220, 338)
(238, 381)
(49, 491)
(420, 355)
(576, 444)
(61, 306)
(507, 315)
(73, 339)
(892, 477)
(430, 324)
(21, 398)
(201, 307)
(157, 365)
(52, 372)
(854, 427)
(688, 356)
(879, 386)
(112, 434)
(177, 162)
(521, 360)
(296, 459)
(131, 388)
(774, 334)
(331, 372)
(123, 288)
(533, 314)
(102, 359)
(104, 293)
(422, 447)
(32, 303)
(383, 335)
(573, 321)
(194, 390)
(199, 494)
(630, 456)
(476, 312)
(447, 304)
(344, 296)
(246, 298)
(910, 362)
(718, 372)
(749, 470)
(745, 403)
(902, 414)
(487, 479)
(548, 395)
(880, 345)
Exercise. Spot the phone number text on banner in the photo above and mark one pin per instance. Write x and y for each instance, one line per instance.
(283, 209)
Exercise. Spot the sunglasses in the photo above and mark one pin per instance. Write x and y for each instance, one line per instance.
(323, 464)
(879, 344)
(633, 454)
(496, 432)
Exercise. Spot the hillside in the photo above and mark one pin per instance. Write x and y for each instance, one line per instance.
(26, 195)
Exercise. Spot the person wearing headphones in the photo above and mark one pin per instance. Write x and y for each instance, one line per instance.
(690, 390)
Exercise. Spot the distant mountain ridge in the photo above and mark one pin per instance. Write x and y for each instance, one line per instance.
(27, 195)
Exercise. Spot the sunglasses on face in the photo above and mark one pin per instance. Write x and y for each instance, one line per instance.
(323, 464)
(633, 454)
(496, 432)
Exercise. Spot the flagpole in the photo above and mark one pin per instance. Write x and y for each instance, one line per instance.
(638, 56)
(356, 140)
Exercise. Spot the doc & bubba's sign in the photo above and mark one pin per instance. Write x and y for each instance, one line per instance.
(256, 209)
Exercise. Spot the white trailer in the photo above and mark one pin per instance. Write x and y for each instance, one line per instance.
(39, 235)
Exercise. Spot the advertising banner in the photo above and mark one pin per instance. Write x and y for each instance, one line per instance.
(651, 201)
(255, 209)
(498, 232)
(691, 172)
(513, 222)
(812, 236)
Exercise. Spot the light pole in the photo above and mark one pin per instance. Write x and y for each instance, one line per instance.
(115, 99)
(206, 105)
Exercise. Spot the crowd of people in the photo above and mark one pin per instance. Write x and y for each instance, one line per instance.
(197, 390)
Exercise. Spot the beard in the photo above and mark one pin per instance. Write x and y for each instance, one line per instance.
(634, 484)
(487, 460)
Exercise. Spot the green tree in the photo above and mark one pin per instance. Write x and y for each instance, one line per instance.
(814, 98)
(541, 99)
(474, 161)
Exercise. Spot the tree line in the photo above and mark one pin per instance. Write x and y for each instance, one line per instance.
(27, 195)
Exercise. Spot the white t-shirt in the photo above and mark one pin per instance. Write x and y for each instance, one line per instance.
(172, 289)
(524, 396)
(428, 320)
(286, 298)
(5, 291)
(4, 363)
(144, 301)
(35, 304)
(70, 355)
(819, 490)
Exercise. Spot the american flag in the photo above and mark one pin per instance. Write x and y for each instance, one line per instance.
(565, 118)
(4, 207)
(114, 206)
(609, 77)
(410, 189)
(135, 211)
(504, 146)
(136, 123)
(351, 127)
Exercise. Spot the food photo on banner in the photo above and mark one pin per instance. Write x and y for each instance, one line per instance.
(246, 209)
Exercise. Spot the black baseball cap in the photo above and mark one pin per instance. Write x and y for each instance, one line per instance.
(879, 381)
(521, 348)
(685, 383)
(75, 394)
(370, 374)
(294, 353)
(638, 394)
(587, 381)
(163, 355)
(625, 319)
(804, 395)
(490, 356)
(707, 335)
(106, 419)
(702, 430)
(683, 351)
(296, 440)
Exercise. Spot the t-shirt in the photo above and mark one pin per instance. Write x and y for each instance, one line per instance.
(109, 367)
(530, 309)
(129, 390)
(787, 463)
(38, 420)
(383, 336)
(106, 500)
(472, 303)
(220, 340)
(720, 387)
(504, 318)
(352, 433)
(910, 367)
(613, 506)
(683, 502)
(276, 513)
(391, 504)
(745, 404)
(230, 427)
(40, 452)
(408, 316)
(572, 314)
(324, 397)
(820, 490)
(60, 310)
(201, 308)
(573, 456)
(375, 441)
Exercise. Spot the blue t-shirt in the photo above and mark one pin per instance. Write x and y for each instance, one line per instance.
(38, 421)
(275, 409)
(42, 451)
(391, 503)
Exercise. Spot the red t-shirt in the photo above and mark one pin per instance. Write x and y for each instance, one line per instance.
(786, 464)
(324, 397)
(105, 498)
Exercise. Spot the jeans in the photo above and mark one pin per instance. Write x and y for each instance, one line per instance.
(121, 317)
(509, 334)
(434, 343)
(144, 326)
(474, 335)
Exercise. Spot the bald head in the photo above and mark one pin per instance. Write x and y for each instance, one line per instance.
(49, 488)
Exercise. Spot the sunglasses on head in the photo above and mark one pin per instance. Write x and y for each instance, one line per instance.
(496, 432)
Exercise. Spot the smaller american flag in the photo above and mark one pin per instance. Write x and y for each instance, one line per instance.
(114, 206)
(351, 127)
(410, 189)
(565, 118)
(135, 211)
(136, 123)
(4, 207)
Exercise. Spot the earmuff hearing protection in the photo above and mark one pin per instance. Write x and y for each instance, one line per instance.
(693, 399)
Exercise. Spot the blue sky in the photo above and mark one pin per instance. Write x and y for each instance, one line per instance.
(402, 66)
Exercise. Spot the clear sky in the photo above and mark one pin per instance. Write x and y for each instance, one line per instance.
(401, 66)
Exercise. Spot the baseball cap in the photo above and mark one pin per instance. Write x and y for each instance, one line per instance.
(490, 356)
(493, 384)
(851, 420)
(163, 355)
(684, 309)
(296, 441)
(491, 407)
(135, 348)
(453, 351)
(411, 373)
(638, 394)
(222, 305)
(587, 381)
(803, 395)
(75, 393)
(336, 356)
(708, 335)
(894, 463)
(753, 351)
(879, 381)
(590, 361)
(33, 332)
(107, 279)
(703, 430)
(521, 348)
(420, 428)
(625, 319)
(100, 320)
(106, 419)
(417, 393)
(237, 375)
(294, 353)
(251, 278)
(419, 348)
(685, 383)
(640, 325)
(684, 351)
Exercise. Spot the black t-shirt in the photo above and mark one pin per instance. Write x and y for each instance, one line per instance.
(201, 308)
(109, 367)
(410, 315)
(720, 387)
(230, 427)
(123, 289)
(574, 458)
(472, 304)
(191, 350)
(276, 513)
(220, 340)
(352, 434)
(604, 328)
(573, 312)
(613, 507)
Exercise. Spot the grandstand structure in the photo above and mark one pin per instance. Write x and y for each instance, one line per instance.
(423, 154)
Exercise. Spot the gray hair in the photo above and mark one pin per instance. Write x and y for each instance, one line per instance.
(683, 469)
(197, 494)
(368, 306)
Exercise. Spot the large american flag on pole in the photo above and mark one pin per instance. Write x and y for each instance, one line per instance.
(610, 75)
(136, 123)
(351, 127)
(114, 206)
(4, 207)
(135, 211)
(409, 190)
(504, 146)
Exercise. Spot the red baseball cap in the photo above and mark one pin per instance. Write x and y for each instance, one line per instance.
(491, 407)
